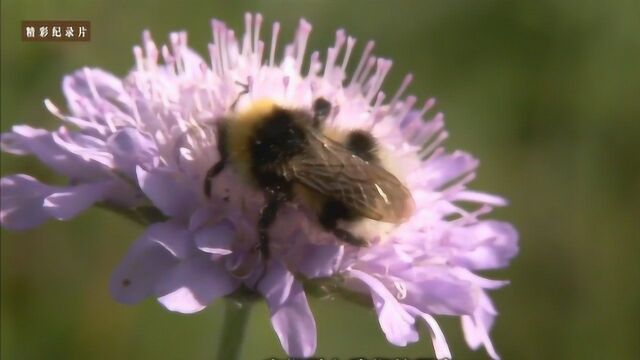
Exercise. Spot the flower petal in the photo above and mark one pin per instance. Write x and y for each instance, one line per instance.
(291, 316)
(64, 205)
(168, 194)
(194, 283)
(27, 203)
(21, 202)
(486, 245)
(146, 262)
(448, 167)
(476, 327)
(95, 94)
(276, 284)
(216, 239)
(46, 147)
(319, 260)
(173, 236)
(437, 336)
(131, 148)
(14, 142)
(437, 290)
(90, 149)
(396, 323)
(479, 197)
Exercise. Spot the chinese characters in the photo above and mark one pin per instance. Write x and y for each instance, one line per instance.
(56, 30)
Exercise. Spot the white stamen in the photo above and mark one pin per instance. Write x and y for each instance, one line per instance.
(212, 57)
(246, 38)
(367, 70)
(363, 60)
(275, 30)
(92, 86)
(137, 54)
(304, 29)
(402, 289)
(434, 155)
(427, 106)
(256, 33)
(458, 185)
(175, 49)
(331, 57)
(314, 64)
(384, 67)
(108, 118)
(233, 52)
(408, 105)
(466, 217)
(405, 83)
(438, 123)
(53, 109)
(350, 44)
(215, 47)
(223, 48)
(260, 53)
(374, 110)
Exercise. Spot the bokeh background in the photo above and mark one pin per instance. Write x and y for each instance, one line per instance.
(545, 93)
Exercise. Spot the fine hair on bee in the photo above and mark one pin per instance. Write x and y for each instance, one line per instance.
(288, 155)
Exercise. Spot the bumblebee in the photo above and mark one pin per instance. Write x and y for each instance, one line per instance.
(290, 156)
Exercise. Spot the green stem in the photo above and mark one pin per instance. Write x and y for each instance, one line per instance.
(236, 317)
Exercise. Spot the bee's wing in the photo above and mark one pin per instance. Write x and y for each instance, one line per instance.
(366, 188)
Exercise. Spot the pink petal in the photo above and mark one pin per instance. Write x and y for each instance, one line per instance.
(488, 244)
(43, 144)
(476, 327)
(193, 284)
(291, 316)
(67, 203)
(168, 194)
(146, 262)
(396, 323)
(27, 203)
(437, 336)
(21, 202)
(216, 239)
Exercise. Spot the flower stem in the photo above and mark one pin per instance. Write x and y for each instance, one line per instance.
(236, 317)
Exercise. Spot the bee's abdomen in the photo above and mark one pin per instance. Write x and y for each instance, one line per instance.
(334, 210)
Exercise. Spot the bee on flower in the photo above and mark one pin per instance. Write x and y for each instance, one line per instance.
(257, 174)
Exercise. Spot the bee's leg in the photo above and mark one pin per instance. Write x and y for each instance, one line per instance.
(275, 199)
(268, 215)
(219, 166)
(321, 110)
(331, 212)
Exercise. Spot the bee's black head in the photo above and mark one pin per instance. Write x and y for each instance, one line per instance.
(278, 137)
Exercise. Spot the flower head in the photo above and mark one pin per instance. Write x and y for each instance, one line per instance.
(142, 146)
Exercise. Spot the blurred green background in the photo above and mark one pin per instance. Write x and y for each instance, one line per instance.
(545, 93)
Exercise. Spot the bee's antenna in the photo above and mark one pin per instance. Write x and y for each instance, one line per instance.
(244, 91)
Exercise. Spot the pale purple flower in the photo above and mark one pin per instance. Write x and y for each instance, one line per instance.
(142, 145)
